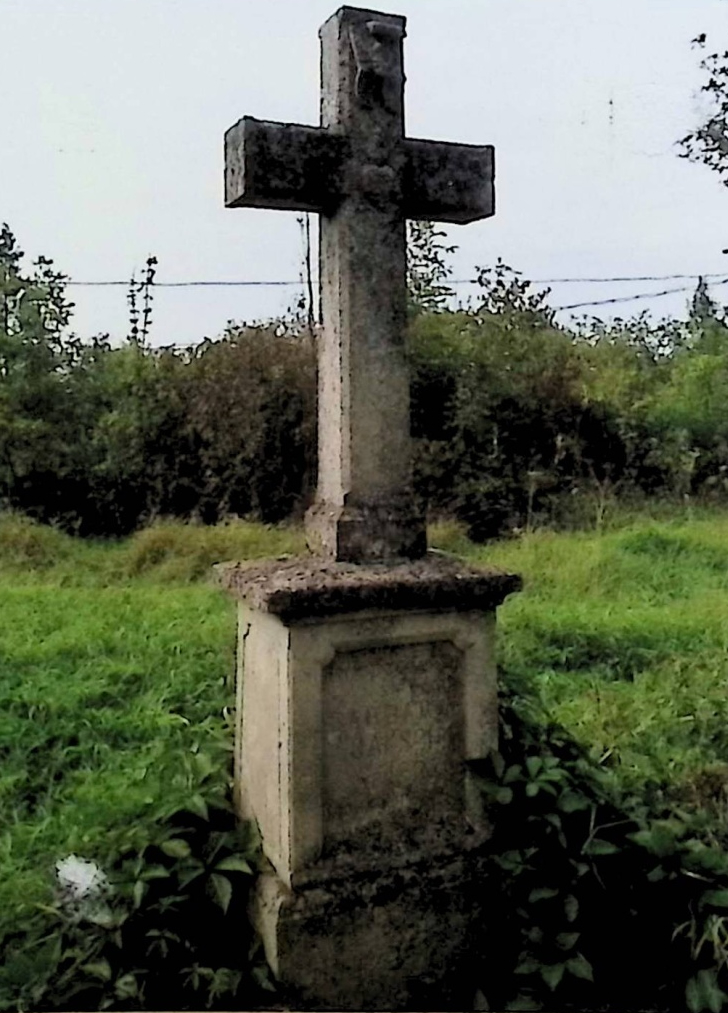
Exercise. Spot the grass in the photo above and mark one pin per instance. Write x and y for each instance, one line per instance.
(625, 637)
(116, 663)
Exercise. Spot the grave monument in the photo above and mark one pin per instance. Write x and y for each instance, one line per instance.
(366, 677)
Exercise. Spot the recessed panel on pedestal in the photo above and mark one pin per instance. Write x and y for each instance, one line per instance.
(392, 742)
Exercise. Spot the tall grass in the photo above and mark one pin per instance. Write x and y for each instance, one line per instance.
(625, 637)
(116, 662)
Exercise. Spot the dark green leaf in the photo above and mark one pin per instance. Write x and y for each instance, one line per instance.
(197, 805)
(542, 893)
(176, 848)
(599, 847)
(126, 987)
(222, 890)
(552, 974)
(98, 969)
(580, 967)
(570, 802)
(234, 863)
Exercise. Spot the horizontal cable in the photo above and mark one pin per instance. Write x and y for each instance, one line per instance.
(455, 281)
(629, 298)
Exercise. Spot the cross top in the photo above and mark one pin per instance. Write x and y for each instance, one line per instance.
(364, 178)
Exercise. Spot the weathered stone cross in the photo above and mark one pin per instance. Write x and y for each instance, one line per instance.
(364, 178)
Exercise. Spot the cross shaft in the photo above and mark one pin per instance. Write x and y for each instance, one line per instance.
(364, 178)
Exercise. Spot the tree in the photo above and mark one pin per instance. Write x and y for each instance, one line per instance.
(708, 143)
(428, 268)
(38, 438)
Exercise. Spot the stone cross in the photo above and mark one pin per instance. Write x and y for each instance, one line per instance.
(364, 178)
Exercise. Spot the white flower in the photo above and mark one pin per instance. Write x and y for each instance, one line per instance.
(80, 878)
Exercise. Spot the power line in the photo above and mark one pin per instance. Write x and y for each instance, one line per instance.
(181, 284)
(456, 281)
(631, 277)
(629, 298)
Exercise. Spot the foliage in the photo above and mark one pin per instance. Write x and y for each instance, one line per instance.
(170, 930)
(140, 322)
(708, 143)
(519, 423)
(428, 268)
(608, 797)
(597, 901)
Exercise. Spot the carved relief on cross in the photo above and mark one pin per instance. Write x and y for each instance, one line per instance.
(364, 178)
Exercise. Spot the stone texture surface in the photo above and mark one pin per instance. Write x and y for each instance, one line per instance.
(398, 938)
(365, 178)
(355, 731)
(373, 698)
(366, 678)
(304, 587)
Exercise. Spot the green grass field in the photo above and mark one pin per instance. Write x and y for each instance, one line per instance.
(116, 664)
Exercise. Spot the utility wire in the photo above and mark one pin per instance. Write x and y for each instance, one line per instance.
(456, 281)
(629, 298)
(463, 281)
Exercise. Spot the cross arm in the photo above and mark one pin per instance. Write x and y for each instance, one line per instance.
(447, 182)
(282, 165)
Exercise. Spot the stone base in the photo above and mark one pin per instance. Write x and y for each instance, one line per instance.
(363, 693)
(384, 529)
(403, 938)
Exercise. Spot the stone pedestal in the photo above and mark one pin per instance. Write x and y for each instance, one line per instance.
(363, 693)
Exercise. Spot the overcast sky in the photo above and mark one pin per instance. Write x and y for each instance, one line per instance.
(114, 113)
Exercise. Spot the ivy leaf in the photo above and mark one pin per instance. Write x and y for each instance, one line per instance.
(176, 848)
(98, 969)
(570, 802)
(542, 893)
(126, 987)
(532, 789)
(580, 967)
(567, 940)
(599, 847)
(533, 765)
(552, 974)
(222, 890)
(154, 872)
(512, 774)
(234, 863)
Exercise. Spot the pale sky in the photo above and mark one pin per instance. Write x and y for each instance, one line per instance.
(114, 113)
